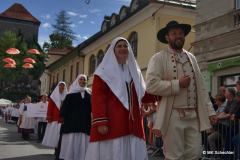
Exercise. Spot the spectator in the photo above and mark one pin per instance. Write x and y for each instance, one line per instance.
(222, 90)
(235, 117)
(220, 102)
(220, 129)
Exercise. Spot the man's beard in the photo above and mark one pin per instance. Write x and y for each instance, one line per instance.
(175, 45)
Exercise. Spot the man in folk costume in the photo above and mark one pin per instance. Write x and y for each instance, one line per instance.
(185, 108)
(117, 93)
(51, 136)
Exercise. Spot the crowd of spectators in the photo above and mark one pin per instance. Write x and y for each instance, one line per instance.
(224, 135)
(19, 87)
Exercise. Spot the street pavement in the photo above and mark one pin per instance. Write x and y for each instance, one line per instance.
(13, 147)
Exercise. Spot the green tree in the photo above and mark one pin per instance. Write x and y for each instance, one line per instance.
(62, 36)
(9, 40)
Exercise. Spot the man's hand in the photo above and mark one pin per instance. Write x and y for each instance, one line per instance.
(158, 133)
(184, 82)
(213, 119)
(103, 129)
(233, 117)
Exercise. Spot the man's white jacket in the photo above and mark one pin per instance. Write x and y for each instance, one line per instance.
(161, 80)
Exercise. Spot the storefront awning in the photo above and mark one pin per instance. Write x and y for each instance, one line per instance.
(216, 65)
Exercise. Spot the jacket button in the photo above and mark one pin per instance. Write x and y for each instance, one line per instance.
(174, 77)
(188, 90)
(193, 77)
(172, 56)
(174, 66)
(174, 70)
(172, 60)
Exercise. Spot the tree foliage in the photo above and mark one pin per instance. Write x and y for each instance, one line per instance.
(62, 36)
(9, 40)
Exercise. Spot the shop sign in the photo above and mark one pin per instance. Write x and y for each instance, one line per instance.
(223, 64)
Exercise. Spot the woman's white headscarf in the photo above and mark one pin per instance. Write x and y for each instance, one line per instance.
(75, 87)
(109, 72)
(57, 97)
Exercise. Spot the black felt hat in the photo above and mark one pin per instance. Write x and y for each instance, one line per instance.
(162, 32)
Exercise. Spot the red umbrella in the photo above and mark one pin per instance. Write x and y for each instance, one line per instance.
(9, 66)
(13, 51)
(27, 65)
(9, 60)
(33, 51)
(29, 60)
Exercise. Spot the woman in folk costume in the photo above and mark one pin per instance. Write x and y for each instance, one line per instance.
(117, 93)
(75, 115)
(26, 123)
(51, 136)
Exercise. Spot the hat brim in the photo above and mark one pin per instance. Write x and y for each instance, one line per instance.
(161, 33)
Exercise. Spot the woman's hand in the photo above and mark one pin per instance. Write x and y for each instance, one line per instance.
(103, 129)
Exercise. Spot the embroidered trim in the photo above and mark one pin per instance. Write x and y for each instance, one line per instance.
(99, 120)
(49, 116)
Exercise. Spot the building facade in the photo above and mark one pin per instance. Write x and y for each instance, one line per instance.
(217, 46)
(139, 23)
(17, 18)
(50, 79)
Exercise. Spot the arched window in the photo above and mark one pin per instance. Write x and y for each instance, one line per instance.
(134, 5)
(92, 64)
(104, 27)
(123, 13)
(113, 20)
(100, 56)
(133, 40)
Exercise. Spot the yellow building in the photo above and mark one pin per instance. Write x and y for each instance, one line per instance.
(139, 24)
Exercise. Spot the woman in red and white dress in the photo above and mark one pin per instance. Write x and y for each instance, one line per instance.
(52, 132)
(117, 93)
